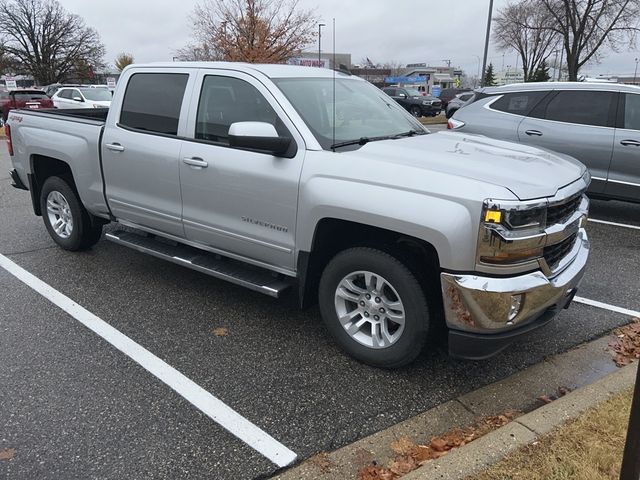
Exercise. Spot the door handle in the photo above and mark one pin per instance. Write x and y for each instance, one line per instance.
(534, 133)
(115, 147)
(195, 162)
(628, 143)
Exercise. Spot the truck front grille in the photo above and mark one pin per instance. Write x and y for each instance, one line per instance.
(554, 253)
(560, 212)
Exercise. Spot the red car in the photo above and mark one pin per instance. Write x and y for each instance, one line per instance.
(23, 98)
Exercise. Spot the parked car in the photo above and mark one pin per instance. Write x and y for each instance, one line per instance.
(414, 101)
(23, 98)
(242, 173)
(458, 102)
(54, 87)
(449, 94)
(82, 97)
(599, 124)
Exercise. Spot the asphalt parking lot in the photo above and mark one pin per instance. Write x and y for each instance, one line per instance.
(73, 406)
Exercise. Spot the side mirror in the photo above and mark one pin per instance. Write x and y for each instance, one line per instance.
(258, 136)
(402, 95)
(78, 99)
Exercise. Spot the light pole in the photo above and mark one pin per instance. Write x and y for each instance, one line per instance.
(479, 60)
(320, 25)
(486, 42)
(635, 73)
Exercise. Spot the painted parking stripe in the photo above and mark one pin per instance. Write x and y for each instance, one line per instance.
(214, 408)
(615, 224)
(606, 306)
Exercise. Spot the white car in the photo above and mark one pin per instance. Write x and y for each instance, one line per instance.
(82, 97)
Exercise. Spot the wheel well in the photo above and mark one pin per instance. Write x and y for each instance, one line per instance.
(43, 167)
(334, 235)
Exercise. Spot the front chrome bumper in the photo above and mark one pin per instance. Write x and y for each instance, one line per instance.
(482, 305)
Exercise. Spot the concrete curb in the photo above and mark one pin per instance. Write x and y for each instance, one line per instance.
(487, 450)
(588, 368)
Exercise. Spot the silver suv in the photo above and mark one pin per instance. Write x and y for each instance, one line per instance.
(597, 123)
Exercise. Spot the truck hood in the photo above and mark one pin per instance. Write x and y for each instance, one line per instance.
(528, 172)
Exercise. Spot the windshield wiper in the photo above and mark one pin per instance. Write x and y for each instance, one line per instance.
(365, 140)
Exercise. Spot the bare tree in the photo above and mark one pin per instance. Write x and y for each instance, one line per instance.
(585, 26)
(266, 31)
(123, 60)
(521, 25)
(47, 40)
(194, 52)
(395, 67)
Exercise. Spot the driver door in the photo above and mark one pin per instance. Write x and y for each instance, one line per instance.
(239, 201)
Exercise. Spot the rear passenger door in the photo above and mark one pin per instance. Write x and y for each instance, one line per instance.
(624, 174)
(579, 123)
(141, 149)
(240, 201)
(511, 109)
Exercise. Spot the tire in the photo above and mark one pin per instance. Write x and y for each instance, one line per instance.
(74, 227)
(401, 296)
(416, 111)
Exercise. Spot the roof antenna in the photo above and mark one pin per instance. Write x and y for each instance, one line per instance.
(334, 83)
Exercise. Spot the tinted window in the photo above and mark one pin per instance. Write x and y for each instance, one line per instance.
(153, 101)
(582, 107)
(64, 93)
(520, 103)
(632, 111)
(466, 96)
(29, 95)
(390, 91)
(226, 100)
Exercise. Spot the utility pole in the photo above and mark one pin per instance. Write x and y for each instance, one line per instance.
(486, 43)
(320, 25)
(635, 73)
(561, 60)
(448, 62)
(631, 460)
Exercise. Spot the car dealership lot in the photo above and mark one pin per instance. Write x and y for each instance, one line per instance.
(72, 406)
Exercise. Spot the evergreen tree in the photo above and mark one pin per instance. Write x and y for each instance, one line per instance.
(542, 73)
(489, 79)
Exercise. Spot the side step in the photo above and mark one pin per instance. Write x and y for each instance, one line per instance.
(233, 271)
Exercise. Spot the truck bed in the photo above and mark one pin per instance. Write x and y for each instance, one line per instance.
(94, 114)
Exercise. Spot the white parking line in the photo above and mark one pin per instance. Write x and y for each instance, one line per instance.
(214, 408)
(606, 306)
(615, 224)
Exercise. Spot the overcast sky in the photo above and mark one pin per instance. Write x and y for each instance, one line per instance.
(404, 31)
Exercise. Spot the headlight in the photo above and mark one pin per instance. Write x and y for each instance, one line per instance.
(511, 233)
(427, 102)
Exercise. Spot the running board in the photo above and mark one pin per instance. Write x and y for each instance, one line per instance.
(234, 271)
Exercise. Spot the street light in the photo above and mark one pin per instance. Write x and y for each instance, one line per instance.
(486, 42)
(635, 73)
(320, 25)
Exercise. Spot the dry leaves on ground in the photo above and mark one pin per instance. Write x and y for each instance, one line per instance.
(7, 454)
(626, 344)
(220, 332)
(561, 392)
(410, 456)
(322, 461)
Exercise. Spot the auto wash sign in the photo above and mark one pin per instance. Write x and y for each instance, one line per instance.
(309, 62)
(407, 80)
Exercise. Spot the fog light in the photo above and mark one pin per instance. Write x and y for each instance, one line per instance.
(516, 305)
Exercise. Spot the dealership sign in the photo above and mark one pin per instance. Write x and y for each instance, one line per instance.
(407, 80)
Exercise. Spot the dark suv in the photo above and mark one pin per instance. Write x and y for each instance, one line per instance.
(414, 102)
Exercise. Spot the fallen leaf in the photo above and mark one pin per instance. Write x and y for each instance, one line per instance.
(439, 444)
(562, 391)
(403, 446)
(403, 465)
(545, 398)
(7, 454)
(322, 461)
(220, 332)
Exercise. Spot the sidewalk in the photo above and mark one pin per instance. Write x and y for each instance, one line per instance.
(587, 372)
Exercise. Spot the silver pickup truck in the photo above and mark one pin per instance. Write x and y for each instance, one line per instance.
(280, 177)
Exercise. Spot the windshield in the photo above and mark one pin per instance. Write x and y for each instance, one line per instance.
(97, 94)
(412, 92)
(361, 110)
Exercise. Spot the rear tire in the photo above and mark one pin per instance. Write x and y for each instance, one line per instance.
(374, 307)
(66, 219)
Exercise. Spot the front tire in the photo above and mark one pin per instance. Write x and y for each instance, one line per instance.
(374, 307)
(415, 111)
(66, 219)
